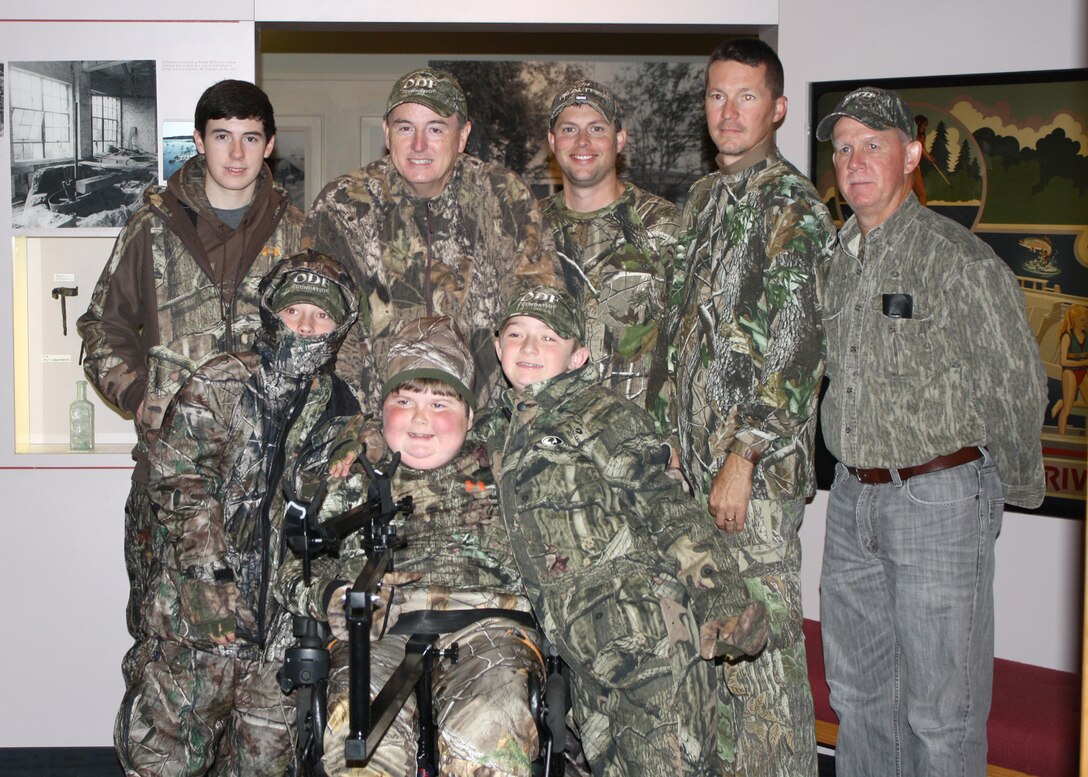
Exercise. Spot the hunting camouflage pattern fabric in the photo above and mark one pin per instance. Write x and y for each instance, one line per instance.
(750, 345)
(171, 722)
(750, 358)
(621, 568)
(617, 263)
(965, 370)
(460, 254)
(162, 306)
(211, 468)
(217, 503)
(458, 546)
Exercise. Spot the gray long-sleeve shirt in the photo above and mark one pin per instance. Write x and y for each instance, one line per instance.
(962, 370)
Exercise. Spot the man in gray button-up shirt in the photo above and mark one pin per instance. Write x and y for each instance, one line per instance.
(934, 408)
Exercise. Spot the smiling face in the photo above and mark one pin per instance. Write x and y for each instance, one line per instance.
(874, 169)
(428, 428)
(235, 150)
(741, 111)
(530, 351)
(586, 146)
(424, 146)
(307, 320)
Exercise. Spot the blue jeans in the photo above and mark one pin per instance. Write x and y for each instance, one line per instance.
(907, 611)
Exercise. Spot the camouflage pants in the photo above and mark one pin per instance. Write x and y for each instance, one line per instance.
(192, 713)
(481, 706)
(766, 721)
(643, 698)
(138, 556)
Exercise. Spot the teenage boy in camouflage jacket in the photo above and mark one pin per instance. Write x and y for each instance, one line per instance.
(429, 230)
(181, 284)
(617, 560)
(616, 243)
(457, 558)
(206, 695)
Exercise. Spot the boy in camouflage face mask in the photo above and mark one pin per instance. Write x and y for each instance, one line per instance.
(206, 691)
(457, 559)
(617, 560)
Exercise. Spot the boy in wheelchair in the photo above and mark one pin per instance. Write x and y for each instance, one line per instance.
(456, 564)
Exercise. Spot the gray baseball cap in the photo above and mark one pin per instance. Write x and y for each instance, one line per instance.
(595, 95)
(436, 89)
(876, 108)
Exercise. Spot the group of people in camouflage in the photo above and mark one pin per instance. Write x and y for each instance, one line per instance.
(604, 408)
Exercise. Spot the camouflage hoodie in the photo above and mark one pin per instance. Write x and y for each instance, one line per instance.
(216, 467)
(179, 287)
(460, 254)
(585, 494)
(455, 538)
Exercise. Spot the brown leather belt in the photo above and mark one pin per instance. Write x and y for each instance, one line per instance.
(880, 476)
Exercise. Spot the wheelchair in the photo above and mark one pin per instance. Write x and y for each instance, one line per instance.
(307, 664)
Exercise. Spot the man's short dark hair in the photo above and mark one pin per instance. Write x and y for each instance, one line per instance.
(232, 99)
(753, 52)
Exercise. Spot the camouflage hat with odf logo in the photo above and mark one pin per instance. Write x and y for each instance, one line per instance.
(595, 95)
(555, 307)
(434, 348)
(436, 89)
(876, 108)
(305, 285)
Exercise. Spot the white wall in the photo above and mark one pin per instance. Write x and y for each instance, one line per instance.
(1039, 559)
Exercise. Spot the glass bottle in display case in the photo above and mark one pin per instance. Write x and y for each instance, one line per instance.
(81, 420)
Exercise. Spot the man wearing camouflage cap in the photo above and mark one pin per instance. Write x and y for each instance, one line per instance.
(429, 230)
(933, 410)
(748, 371)
(615, 242)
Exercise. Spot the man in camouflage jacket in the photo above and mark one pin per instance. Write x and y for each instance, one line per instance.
(626, 577)
(181, 286)
(207, 691)
(749, 364)
(616, 243)
(429, 230)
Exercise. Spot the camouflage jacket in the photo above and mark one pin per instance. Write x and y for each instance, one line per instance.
(180, 287)
(962, 370)
(616, 262)
(459, 254)
(750, 345)
(454, 537)
(583, 486)
(232, 428)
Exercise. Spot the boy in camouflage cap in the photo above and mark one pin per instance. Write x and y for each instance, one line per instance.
(616, 559)
(457, 559)
(206, 692)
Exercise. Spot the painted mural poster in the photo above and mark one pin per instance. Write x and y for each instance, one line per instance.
(1007, 156)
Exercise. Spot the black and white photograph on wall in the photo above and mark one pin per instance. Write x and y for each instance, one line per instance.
(288, 163)
(178, 145)
(662, 102)
(83, 141)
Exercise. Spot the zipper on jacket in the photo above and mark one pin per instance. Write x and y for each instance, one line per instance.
(427, 290)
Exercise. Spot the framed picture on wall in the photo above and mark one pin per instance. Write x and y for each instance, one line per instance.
(297, 161)
(1006, 155)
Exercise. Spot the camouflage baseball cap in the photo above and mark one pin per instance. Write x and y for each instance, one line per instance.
(436, 89)
(431, 348)
(876, 108)
(305, 285)
(555, 307)
(595, 95)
